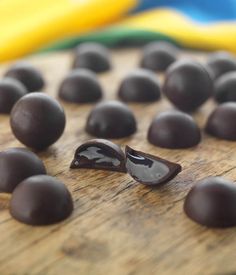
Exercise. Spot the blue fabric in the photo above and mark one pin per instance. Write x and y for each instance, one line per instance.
(204, 11)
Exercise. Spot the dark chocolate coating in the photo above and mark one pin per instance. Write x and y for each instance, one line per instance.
(41, 200)
(140, 86)
(92, 56)
(11, 91)
(111, 119)
(28, 75)
(148, 169)
(225, 88)
(37, 120)
(222, 122)
(174, 130)
(99, 154)
(212, 202)
(158, 56)
(187, 85)
(80, 86)
(17, 164)
(220, 63)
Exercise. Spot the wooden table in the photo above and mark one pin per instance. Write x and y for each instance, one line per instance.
(119, 226)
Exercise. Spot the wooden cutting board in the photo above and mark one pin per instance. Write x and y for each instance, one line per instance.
(119, 226)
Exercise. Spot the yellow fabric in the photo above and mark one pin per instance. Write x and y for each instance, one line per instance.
(184, 31)
(27, 25)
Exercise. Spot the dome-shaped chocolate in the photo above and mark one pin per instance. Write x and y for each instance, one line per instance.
(80, 86)
(225, 88)
(92, 56)
(212, 202)
(27, 75)
(111, 119)
(41, 200)
(11, 91)
(187, 85)
(37, 120)
(220, 63)
(139, 86)
(174, 130)
(222, 122)
(17, 164)
(158, 56)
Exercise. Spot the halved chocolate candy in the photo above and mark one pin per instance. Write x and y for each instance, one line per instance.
(99, 154)
(148, 169)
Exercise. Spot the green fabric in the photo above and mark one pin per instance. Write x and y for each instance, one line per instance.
(111, 38)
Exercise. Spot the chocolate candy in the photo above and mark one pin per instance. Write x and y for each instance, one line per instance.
(212, 202)
(92, 56)
(187, 85)
(139, 86)
(148, 169)
(99, 154)
(80, 86)
(158, 56)
(28, 75)
(225, 88)
(11, 91)
(174, 130)
(220, 63)
(41, 200)
(37, 120)
(111, 119)
(222, 122)
(17, 164)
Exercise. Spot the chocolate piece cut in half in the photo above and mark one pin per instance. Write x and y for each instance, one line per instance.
(148, 169)
(99, 154)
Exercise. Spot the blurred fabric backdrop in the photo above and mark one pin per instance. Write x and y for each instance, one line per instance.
(33, 26)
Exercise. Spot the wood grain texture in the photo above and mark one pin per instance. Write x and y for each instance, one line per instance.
(119, 227)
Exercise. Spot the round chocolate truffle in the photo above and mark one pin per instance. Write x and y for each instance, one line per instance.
(37, 120)
(220, 63)
(28, 75)
(174, 130)
(111, 119)
(17, 164)
(92, 56)
(140, 86)
(187, 85)
(157, 56)
(222, 122)
(11, 91)
(80, 86)
(225, 88)
(41, 200)
(212, 202)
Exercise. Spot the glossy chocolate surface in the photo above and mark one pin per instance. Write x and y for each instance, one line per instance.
(222, 122)
(220, 63)
(225, 88)
(80, 86)
(149, 169)
(111, 119)
(27, 75)
(17, 164)
(41, 200)
(37, 120)
(212, 202)
(99, 154)
(11, 91)
(187, 85)
(140, 86)
(174, 130)
(92, 56)
(158, 56)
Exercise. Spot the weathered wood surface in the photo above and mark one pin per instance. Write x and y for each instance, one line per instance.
(118, 226)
